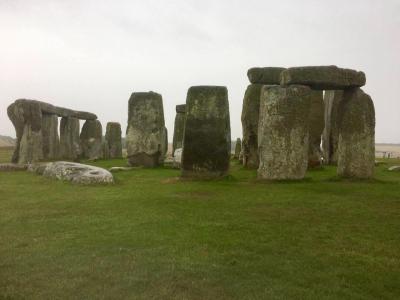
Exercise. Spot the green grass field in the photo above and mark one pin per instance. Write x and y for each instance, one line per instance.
(153, 236)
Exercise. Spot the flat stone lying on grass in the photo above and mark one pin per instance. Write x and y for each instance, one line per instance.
(323, 77)
(8, 167)
(356, 151)
(267, 75)
(394, 168)
(120, 169)
(78, 173)
(284, 132)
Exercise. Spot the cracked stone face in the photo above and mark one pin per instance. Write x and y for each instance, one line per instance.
(283, 135)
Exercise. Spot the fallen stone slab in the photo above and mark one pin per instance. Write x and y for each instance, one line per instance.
(394, 168)
(37, 168)
(323, 77)
(267, 75)
(10, 167)
(78, 173)
(121, 169)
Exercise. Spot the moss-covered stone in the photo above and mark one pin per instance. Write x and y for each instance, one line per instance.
(330, 135)
(207, 137)
(267, 75)
(145, 136)
(284, 132)
(356, 151)
(316, 128)
(69, 138)
(250, 117)
(238, 148)
(51, 139)
(323, 77)
(91, 140)
(113, 140)
(179, 127)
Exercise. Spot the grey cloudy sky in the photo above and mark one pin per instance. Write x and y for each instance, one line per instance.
(91, 55)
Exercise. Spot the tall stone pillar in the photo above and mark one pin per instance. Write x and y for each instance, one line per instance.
(179, 127)
(356, 151)
(284, 132)
(113, 140)
(69, 138)
(238, 148)
(91, 140)
(207, 137)
(145, 135)
(316, 128)
(51, 139)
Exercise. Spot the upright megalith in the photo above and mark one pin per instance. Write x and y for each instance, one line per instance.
(323, 77)
(238, 148)
(69, 138)
(330, 135)
(164, 145)
(284, 132)
(145, 135)
(179, 127)
(267, 75)
(50, 137)
(250, 117)
(316, 128)
(113, 140)
(26, 117)
(207, 136)
(356, 151)
(91, 140)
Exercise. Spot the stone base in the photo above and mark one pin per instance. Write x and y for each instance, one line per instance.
(144, 160)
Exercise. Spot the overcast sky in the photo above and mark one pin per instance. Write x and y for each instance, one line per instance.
(91, 55)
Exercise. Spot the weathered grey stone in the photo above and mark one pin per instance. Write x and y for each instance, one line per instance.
(91, 140)
(69, 139)
(78, 173)
(250, 117)
(330, 135)
(177, 159)
(9, 167)
(26, 117)
(238, 148)
(113, 140)
(323, 77)
(179, 127)
(284, 132)
(356, 151)
(37, 168)
(316, 128)
(394, 168)
(207, 137)
(50, 138)
(145, 136)
(121, 169)
(164, 149)
(268, 75)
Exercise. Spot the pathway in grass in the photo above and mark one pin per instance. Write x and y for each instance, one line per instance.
(152, 236)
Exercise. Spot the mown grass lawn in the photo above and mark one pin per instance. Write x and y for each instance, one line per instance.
(153, 236)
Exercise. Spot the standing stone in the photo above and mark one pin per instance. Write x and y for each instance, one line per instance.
(207, 137)
(69, 138)
(356, 152)
(179, 127)
(113, 140)
(284, 132)
(316, 128)
(51, 140)
(26, 117)
(91, 140)
(164, 145)
(238, 148)
(330, 136)
(323, 77)
(145, 135)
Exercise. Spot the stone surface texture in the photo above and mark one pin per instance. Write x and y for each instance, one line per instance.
(113, 140)
(330, 135)
(207, 137)
(323, 77)
(179, 127)
(50, 137)
(356, 151)
(238, 148)
(250, 117)
(69, 139)
(91, 136)
(267, 75)
(284, 132)
(78, 173)
(145, 136)
(316, 129)
(8, 167)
